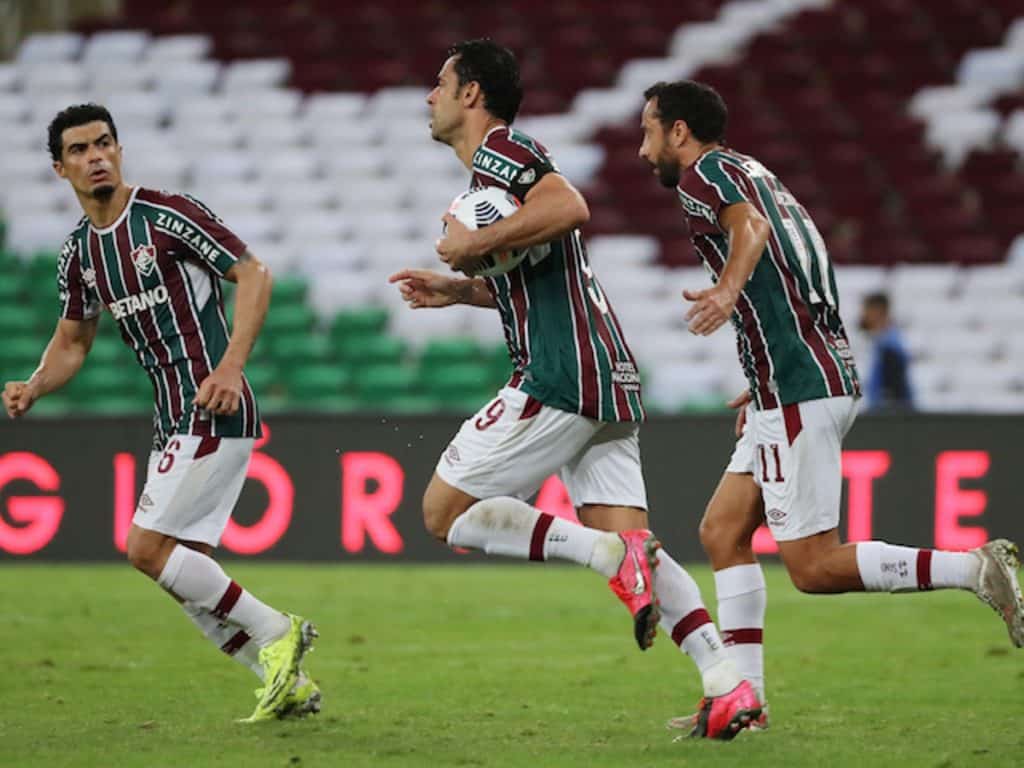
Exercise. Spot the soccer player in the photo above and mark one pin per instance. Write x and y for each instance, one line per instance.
(154, 260)
(773, 280)
(573, 402)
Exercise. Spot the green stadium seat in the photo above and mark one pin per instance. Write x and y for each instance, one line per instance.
(376, 382)
(372, 350)
(307, 382)
(109, 350)
(112, 405)
(288, 291)
(42, 269)
(273, 404)
(289, 318)
(13, 286)
(262, 377)
(454, 381)
(371, 321)
(53, 405)
(16, 320)
(451, 351)
(100, 380)
(329, 404)
(292, 348)
(405, 404)
(21, 351)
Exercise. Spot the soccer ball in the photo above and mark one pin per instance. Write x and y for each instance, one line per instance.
(479, 208)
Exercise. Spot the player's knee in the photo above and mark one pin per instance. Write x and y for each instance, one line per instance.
(809, 578)
(721, 540)
(436, 517)
(145, 553)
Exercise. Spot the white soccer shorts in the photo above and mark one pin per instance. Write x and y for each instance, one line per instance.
(513, 444)
(192, 486)
(795, 455)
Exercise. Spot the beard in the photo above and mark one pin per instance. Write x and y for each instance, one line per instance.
(668, 172)
(103, 192)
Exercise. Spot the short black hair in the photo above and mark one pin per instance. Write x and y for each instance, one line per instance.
(495, 68)
(72, 117)
(877, 299)
(697, 104)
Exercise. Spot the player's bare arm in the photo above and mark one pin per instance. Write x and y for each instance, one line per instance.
(748, 233)
(740, 403)
(424, 288)
(221, 391)
(552, 208)
(63, 357)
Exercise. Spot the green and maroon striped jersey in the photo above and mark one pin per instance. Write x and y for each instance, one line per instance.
(157, 269)
(566, 345)
(791, 341)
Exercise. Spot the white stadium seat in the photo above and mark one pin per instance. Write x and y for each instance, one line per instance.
(50, 47)
(173, 49)
(121, 46)
(254, 74)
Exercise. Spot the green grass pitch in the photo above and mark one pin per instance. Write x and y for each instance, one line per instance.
(490, 666)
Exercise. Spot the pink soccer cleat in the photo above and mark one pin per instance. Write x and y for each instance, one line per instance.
(722, 717)
(634, 584)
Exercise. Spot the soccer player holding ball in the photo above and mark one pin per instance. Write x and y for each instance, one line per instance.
(572, 404)
(155, 261)
(774, 282)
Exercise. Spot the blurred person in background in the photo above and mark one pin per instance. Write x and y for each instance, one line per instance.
(155, 260)
(774, 282)
(888, 383)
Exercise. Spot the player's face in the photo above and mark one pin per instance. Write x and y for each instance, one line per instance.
(445, 107)
(90, 159)
(656, 148)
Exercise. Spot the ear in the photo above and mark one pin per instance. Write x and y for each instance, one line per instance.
(470, 93)
(679, 134)
(58, 168)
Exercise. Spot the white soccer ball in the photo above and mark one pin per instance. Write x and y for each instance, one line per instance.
(479, 208)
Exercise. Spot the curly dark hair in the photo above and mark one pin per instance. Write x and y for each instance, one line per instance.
(72, 117)
(697, 104)
(496, 70)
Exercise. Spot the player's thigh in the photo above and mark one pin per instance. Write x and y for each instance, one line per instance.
(605, 480)
(511, 446)
(798, 464)
(192, 487)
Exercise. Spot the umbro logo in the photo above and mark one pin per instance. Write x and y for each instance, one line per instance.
(89, 277)
(527, 176)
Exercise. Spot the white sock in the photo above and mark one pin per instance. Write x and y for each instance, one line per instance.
(742, 600)
(887, 568)
(233, 641)
(506, 526)
(686, 620)
(195, 578)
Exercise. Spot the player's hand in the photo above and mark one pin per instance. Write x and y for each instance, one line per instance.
(423, 288)
(740, 401)
(457, 247)
(18, 398)
(221, 391)
(712, 308)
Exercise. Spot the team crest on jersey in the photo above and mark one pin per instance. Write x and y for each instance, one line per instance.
(89, 277)
(144, 258)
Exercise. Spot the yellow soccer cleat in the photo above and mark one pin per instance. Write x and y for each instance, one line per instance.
(281, 660)
(303, 699)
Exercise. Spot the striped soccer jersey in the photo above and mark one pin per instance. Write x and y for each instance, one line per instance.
(157, 271)
(791, 341)
(567, 347)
